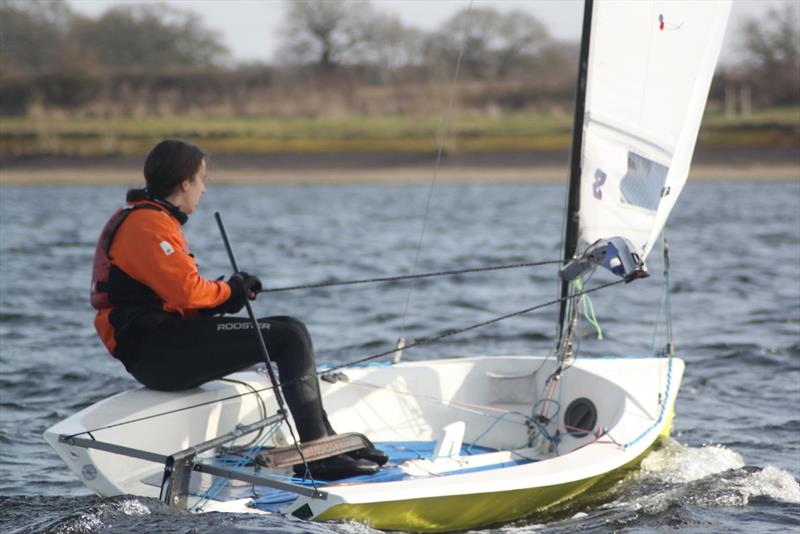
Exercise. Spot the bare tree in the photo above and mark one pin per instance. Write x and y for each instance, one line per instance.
(387, 42)
(520, 38)
(495, 43)
(773, 43)
(321, 31)
(33, 34)
(771, 48)
(149, 36)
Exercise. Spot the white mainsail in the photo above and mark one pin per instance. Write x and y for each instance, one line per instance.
(649, 72)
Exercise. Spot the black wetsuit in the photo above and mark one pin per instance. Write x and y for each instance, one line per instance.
(184, 353)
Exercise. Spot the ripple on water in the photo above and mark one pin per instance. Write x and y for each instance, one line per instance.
(735, 320)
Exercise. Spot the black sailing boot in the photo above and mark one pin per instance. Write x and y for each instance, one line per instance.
(367, 453)
(336, 467)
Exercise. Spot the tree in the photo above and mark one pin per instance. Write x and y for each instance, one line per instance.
(773, 43)
(772, 53)
(386, 42)
(494, 44)
(321, 31)
(33, 34)
(520, 38)
(149, 36)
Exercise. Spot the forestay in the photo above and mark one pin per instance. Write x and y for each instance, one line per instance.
(649, 73)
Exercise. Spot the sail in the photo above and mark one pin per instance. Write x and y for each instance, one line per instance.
(649, 70)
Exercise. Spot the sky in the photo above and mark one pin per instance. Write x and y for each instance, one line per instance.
(251, 28)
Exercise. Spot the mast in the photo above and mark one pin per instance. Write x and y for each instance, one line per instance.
(573, 194)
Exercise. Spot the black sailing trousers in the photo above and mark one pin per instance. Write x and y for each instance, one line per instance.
(184, 353)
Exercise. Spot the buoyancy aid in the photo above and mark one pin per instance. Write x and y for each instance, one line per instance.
(147, 275)
(101, 268)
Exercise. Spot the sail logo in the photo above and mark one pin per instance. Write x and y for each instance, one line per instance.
(599, 182)
(664, 25)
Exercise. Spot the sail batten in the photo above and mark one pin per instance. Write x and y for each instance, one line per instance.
(640, 137)
(649, 72)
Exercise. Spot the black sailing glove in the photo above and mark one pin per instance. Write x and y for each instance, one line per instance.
(243, 285)
(252, 285)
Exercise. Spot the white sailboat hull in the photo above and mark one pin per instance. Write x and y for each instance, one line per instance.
(514, 470)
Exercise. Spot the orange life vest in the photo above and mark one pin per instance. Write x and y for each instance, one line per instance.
(98, 294)
(143, 273)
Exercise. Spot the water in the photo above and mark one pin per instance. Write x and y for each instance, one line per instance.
(734, 463)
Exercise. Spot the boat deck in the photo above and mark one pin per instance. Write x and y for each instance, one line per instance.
(206, 487)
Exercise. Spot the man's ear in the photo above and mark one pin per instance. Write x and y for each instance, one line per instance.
(185, 185)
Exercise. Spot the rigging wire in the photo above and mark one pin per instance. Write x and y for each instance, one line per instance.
(663, 309)
(442, 138)
(451, 333)
(469, 407)
(666, 353)
(569, 347)
(170, 412)
(411, 276)
(328, 370)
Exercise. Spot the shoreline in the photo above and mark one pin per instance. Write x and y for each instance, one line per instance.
(489, 167)
(389, 176)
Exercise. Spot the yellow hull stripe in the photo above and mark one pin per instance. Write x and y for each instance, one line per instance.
(461, 512)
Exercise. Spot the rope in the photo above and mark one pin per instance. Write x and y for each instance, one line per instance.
(537, 421)
(550, 383)
(247, 457)
(262, 409)
(664, 308)
(469, 407)
(661, 412)
(361, 360)
(410, 276)
(667, 298)
(468, 328)
(170, 412)
(588, 309)
(665, 304)
(489, 429)
(479, 409)
(442, 138)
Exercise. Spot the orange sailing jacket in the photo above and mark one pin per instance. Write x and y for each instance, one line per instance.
(153, 278)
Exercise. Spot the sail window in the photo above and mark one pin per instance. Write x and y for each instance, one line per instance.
(643, 184)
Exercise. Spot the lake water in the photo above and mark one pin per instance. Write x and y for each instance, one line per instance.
(733, 464)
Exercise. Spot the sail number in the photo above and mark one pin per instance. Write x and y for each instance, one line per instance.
(599, 181)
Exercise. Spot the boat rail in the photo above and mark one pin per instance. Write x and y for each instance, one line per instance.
(179, 466)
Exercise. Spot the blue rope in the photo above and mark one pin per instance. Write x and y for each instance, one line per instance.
(664, 405)
(543, 428)
(246, 458)
(491, 426)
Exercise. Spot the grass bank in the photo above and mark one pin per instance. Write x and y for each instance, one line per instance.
(93, 137)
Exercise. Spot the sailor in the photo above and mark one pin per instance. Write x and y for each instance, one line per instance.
(166, 322)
